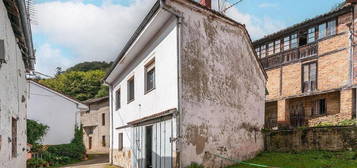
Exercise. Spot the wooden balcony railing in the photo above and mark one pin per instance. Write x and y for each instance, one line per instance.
(289, 56)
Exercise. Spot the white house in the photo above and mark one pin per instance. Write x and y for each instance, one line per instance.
(187, 86)
(58, 111)
(16, 59)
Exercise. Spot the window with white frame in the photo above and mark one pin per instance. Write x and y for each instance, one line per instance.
(131, 89)
(277, 46)
(150, 76)
(117, 99)
(271, 48)
(331, 28)
(286, 43)
(262, 51)
(311, 37)
(294, 41)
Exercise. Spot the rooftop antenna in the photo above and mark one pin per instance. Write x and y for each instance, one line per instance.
(31, 11)
(222, 5)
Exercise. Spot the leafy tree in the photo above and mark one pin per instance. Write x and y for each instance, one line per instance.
(35, 131)
(89, 66)
(80, 85)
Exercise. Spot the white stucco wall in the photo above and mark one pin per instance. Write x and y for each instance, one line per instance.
(13, 93)
(164, 97)
(55, 111)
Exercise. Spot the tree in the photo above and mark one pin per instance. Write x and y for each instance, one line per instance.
(89, 66)
(35, 131)
(77, 84)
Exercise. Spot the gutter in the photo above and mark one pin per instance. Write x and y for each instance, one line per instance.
(26, 26)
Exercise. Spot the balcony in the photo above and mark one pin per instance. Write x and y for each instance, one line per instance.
(289, 56)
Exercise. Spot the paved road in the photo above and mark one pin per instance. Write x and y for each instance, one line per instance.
(97, 161)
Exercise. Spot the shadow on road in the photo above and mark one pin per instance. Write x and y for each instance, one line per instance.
(94, 159)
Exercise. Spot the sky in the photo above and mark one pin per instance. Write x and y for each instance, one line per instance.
(67, 32)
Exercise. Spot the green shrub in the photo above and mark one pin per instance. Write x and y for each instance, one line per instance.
(195, 165)
(35, 131)
(75, 150)
(36, 163)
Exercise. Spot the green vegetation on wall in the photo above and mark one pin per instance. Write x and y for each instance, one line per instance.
(35, 131)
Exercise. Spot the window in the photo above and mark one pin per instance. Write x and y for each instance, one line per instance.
(131, 90)
(318, 107)
(309, 75)
(117, 99)
(90, 143)
(271, 48)
(150, 76)
(322, 30)
(331, 28)
(286, 43)
(103, 141)
(103, 119)
(294, 41)
(14, 137)
(90, 130)
(311, 35)
(262, 51)
(257, 50)
(120, 141)
(277, 46)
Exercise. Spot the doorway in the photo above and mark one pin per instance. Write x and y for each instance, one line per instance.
(90, 143)
(148, 147)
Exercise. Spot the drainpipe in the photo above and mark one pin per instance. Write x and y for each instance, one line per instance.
(26, 30)
(179, 82)
(111, 121)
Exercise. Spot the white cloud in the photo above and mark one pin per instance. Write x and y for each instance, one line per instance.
(99, 32)
(50, 59)
(268, 5)
(91, 32)
(257, 27)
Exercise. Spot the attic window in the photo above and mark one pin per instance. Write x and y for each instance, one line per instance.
(2, 52)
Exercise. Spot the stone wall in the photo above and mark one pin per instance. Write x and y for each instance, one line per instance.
(93, 120)
(122, 158)
(13, 97)
(314, 138)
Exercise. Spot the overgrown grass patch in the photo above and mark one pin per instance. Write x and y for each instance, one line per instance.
(309, 159)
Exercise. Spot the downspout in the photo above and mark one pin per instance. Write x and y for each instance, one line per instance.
(179, 82)
(111, 122)
(27, 30)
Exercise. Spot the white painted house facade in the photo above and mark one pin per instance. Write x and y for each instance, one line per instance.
(16, 59)
(186, 86)
(58, 111)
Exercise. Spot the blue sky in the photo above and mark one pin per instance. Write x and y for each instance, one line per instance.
(67, 32)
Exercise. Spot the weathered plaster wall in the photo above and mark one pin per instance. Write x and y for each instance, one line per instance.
(93, 120)
(223, 90)
(13, 97)
(324, 138)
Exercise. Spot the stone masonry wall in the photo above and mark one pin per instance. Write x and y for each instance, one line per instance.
(314, 138)
(13, 97)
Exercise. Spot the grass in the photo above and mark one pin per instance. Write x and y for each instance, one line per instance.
(310, 159)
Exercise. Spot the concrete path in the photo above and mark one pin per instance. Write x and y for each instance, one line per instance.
(97, 161)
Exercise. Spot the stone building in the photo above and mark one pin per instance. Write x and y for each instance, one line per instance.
(187, 86)
(95, 123)
(312, 70)
(16, 59)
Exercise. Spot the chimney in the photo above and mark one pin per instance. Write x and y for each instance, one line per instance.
(351, 1)
(206, 3)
